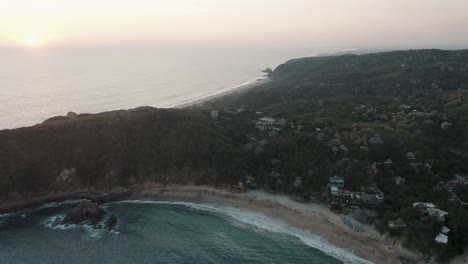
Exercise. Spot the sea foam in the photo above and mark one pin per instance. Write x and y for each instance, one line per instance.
(265, 223)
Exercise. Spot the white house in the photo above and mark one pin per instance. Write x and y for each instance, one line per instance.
(445, 230)
(441, 238)
(334, 191)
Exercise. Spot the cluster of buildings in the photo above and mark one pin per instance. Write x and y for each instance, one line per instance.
(431, 210)
(338, 195)
(270, 123)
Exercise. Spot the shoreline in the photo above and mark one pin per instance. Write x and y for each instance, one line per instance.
(312, 217)
(217, 94)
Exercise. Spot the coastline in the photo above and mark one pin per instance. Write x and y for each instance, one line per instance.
(315, 218)
(217, 94)
(312, 217)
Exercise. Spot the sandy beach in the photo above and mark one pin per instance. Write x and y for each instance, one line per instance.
(222, 93)
(313, 217)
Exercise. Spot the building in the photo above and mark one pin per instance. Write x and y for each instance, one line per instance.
(423, 205)
(336, 181)
(334, 191)
(446, 125)
(399, 223)
(437, 213)
(265, 123)
(372, 199)
(442, 239)
(445, 230)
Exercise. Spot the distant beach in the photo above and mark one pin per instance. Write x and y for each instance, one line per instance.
(221, 93)
(103, 80)
(313, 217)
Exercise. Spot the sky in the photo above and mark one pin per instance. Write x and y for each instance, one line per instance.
(285, 23)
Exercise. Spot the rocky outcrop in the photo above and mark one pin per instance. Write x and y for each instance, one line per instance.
(85, 211)
(111, 222)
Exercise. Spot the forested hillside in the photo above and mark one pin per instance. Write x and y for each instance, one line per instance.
(119, 148)
(392, 124)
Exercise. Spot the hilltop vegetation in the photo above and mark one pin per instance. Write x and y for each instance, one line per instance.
(118, 148)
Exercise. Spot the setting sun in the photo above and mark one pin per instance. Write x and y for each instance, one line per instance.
(32, 40)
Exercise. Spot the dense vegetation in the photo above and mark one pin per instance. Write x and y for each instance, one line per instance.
(405, 97)
(118, 148)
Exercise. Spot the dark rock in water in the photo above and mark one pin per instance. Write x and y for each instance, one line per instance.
(56, 222)
(98, 227)
(85, 211)
(111, 222)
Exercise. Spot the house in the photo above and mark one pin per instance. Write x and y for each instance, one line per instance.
(446, 125)
(445, 230)
(345, 193)
(334, 191)
(442, 239)
(372, 199)
(336, 181)
(410, 155)
(265, 123)
(423, 205)
(437, 213)
(399, 223)
(214, 114)
(376, 140)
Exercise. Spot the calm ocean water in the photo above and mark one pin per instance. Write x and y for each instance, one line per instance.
(38, 84)
(163, 232)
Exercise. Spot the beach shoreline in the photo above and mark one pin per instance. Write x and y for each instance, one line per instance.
(315, 218)
(218, 94)
(312, 217)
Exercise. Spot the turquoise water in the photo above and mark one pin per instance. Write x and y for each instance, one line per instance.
(161, 232)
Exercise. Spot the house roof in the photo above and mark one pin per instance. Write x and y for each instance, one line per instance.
(336, 178)
(445, 230)
(436, 212)
(268, 119)
(441, 238)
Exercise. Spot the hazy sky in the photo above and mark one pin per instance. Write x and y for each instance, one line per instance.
(287, 23)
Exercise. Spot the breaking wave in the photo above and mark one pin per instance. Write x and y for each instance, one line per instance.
(265, 223)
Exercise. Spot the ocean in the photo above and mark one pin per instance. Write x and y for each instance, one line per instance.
(36, 84)
(162, 232)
